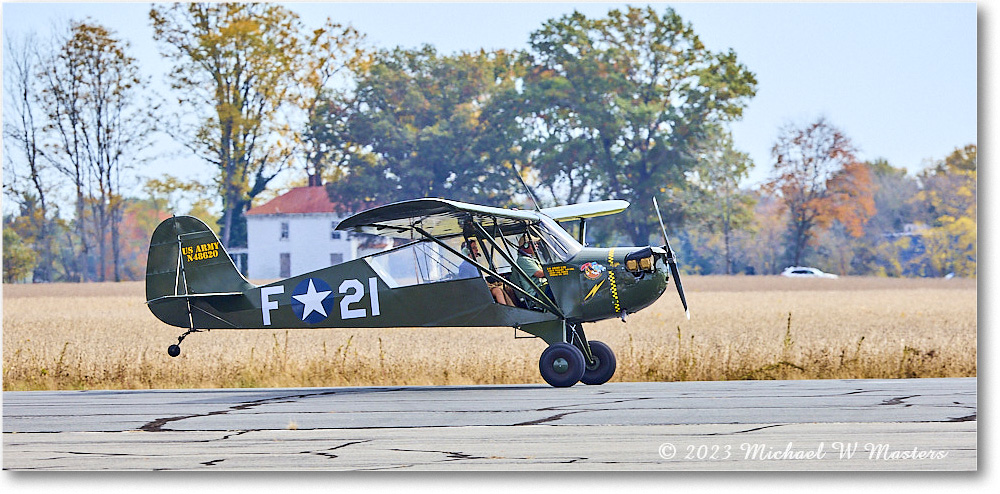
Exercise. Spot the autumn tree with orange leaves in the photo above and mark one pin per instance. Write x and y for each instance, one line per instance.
(819, 181)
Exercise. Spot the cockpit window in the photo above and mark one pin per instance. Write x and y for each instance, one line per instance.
(419, 263)
(556, 244)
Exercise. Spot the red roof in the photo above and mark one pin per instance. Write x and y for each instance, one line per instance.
(297, 201)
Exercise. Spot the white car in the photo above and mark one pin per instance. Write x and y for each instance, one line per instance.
(805, 272)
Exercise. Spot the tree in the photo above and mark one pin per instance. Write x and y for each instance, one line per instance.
(949, 187)
(613, 107)
(171, 195)
(27, 177)
(894, 190)
(761, 249)
(18, 258)
(235, 66)
(819, 180)
(92, 90)
(948, 197)
(335, 55)
(431, 126)
(716, 200)
(884, 248)
(963, 159)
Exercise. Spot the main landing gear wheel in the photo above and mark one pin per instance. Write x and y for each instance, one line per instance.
(603, 367)
(562, 365)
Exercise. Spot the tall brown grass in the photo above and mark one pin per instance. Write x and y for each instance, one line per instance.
(101, 336)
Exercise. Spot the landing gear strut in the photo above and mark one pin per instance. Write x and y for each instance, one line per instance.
(175, 350)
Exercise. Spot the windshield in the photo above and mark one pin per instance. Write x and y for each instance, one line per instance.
(560, 245)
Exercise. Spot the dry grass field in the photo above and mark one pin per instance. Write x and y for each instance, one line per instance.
(101, 336)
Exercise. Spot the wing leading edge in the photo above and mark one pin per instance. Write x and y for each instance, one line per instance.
(444, 218)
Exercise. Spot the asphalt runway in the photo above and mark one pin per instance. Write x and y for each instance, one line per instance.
(907, 424)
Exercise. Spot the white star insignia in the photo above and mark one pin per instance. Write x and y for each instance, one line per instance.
(312, 300)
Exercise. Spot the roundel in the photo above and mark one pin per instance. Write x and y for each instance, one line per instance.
(311, 300)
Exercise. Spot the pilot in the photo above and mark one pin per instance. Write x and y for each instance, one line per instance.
(527, 261)
(467, 270)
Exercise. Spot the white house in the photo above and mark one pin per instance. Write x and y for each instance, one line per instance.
(296, 233)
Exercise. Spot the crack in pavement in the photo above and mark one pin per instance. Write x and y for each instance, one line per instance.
(898, 401)
(227, 436)
(967, 418)
(571, 412)
(331, 455)
(157, 425)
(577, 405)
(449, 455)
(552, 418)
(745, 431)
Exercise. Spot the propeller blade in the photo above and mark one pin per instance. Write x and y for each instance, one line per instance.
(671, 261)
(680, 288)
(666, 242)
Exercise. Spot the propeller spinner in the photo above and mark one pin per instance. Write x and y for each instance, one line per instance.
(671, 261)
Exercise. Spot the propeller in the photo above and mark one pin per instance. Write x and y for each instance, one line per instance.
(671, 261)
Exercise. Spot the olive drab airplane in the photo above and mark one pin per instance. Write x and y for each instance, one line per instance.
(460, 265)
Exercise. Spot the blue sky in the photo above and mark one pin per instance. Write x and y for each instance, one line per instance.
(899, 79)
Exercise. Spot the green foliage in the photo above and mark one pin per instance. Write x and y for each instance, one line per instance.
(614, 107)
(18, 258)
(714, 200)
(431, 126)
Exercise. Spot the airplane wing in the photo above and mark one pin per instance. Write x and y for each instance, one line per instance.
(438, 217)
(444, 218)
(585, 210)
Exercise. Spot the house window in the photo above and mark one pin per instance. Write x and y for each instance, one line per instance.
(285, 265)
(284, 230)
(336, 259)
(334, 234)
(240, 260)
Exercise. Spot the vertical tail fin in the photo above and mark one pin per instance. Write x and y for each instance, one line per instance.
(186, 258)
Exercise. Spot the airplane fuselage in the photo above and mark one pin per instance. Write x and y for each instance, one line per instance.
(593, 285)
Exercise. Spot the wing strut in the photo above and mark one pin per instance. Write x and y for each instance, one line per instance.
(506, 255)
(545, 303)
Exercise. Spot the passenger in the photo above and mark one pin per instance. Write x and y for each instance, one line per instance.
(471, 248)
(528, 263)
(468, 270)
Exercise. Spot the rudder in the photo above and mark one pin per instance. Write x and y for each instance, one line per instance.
(186, 258)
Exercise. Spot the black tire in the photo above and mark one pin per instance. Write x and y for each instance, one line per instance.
(173, 350)
(562, 365)
(603, 367)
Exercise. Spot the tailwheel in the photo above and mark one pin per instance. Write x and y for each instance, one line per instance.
(175, 350)
(562, 365)
(603, 366)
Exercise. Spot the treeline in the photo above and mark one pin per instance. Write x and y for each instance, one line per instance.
(865, 218)
(627, 106)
